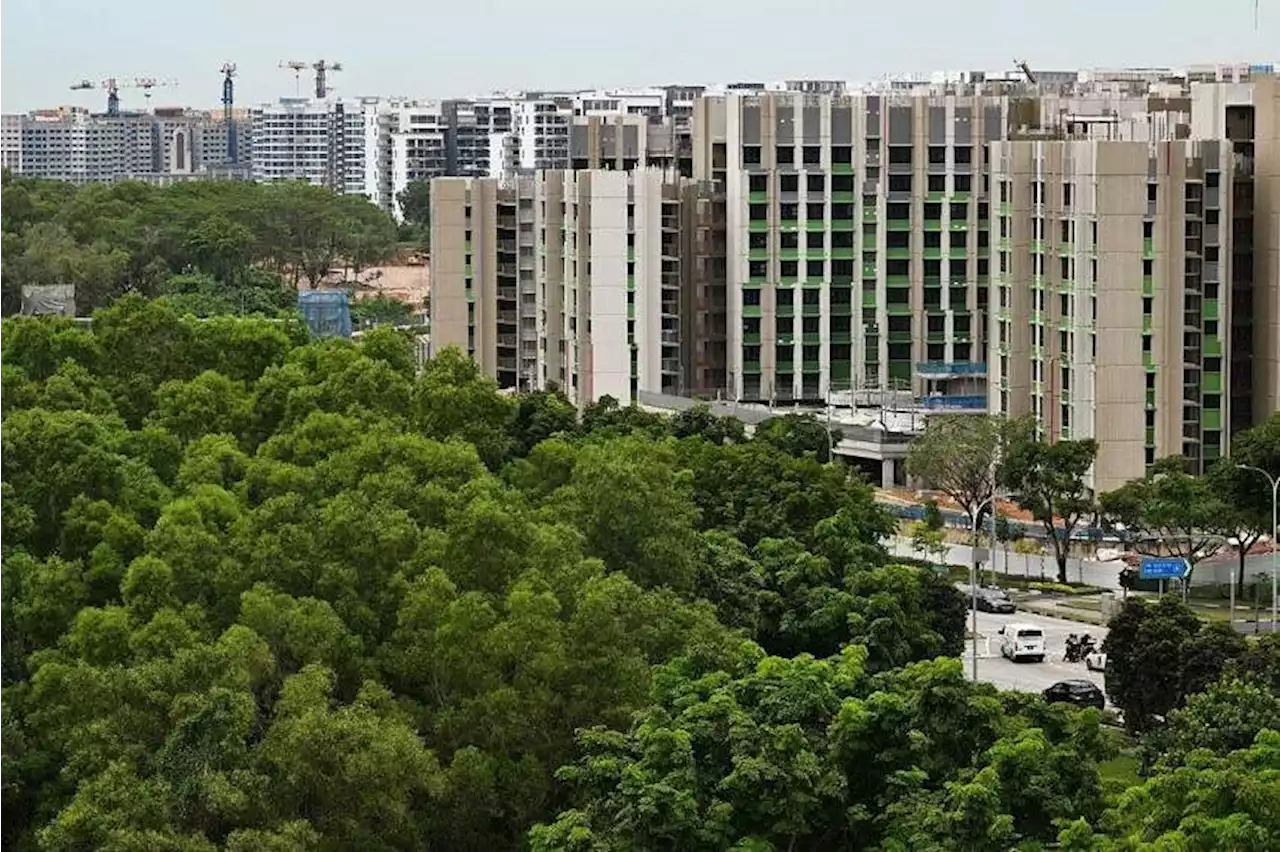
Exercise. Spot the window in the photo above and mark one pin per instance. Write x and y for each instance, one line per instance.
(816, 184)
(842, 154)
(1148, 230)
(751, 155)
(758, 212)
(815, 212)
(758, 183)
(1151, 193)
(786, 155)
(963, 154)
(963, 183)
(789, 239)
(1066, 195)
(811, 155)
(789, 183)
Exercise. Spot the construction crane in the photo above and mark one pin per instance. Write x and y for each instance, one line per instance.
(1026, 70)
(113, 85)
(321, 68)
(297, 68)
(228, 70)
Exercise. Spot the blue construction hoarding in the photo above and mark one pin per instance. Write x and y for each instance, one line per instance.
(1163, 568)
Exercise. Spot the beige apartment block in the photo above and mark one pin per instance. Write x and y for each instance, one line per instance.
(1112, 302)
(597, 281)
(858, 242)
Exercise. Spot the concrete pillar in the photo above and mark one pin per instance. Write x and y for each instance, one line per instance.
(888, 469)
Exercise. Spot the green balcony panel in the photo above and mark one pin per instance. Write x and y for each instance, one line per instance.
(758, 197)
(811, 367)
(958, 253)
(961, 197)
(758, 254)
(897, 224)
(843, 198)
(901, 370)
(631, 311)
(790, 254)
(812, 339)
(843, 253)
(935, 197)
(844, 309)
(1212, 346)
(898, 309)
(785, 310)
(933, 225)
(758, 225)
(1151, 436)
(1148, 286)
(788, 366)
(1211, 419)
(842, 225)
(789, 225)
(840, 371)
(1211, 383)
(842, 168)
(897, 280)
(959, 226)
(1066, 249)
(1146, 323)
(1211, 309)
(751, 310)
(931, 253)
(898, 253)
(751, 366)
(869, 214)
(841, 336)
(811, 310)
(815, 224)
(1148, 248)
(751, 337)
(1151, 397)
(868, 270)
(869, 242)
(1037, 246)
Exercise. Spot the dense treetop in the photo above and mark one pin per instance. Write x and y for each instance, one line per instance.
(268, 592)
(213, 246)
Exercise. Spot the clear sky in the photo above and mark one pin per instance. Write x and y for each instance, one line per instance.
(453, 49)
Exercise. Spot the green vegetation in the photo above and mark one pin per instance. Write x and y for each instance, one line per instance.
(213, 247)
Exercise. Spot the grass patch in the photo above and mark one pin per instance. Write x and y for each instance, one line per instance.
(1119, 773)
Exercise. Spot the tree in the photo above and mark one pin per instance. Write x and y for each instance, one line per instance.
(1171, 511)
(1160, 653)
(1243, 491)
(928, 541)
(415, 203)
(799, 435)
(1048, 480)
(961, 456)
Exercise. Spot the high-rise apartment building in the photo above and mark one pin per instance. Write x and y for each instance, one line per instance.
(319, 141)
(589, 279)
(1112, 311)
(857, 240)
(11, 142)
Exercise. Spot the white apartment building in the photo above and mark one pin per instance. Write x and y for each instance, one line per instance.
(319, 141)
(11, 143)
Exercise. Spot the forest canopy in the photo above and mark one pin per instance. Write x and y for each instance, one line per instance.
(210, 246)
(263, 591)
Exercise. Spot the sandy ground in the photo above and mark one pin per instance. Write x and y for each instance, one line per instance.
(407, 282)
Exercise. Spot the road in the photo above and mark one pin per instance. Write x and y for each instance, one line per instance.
(1029, 677)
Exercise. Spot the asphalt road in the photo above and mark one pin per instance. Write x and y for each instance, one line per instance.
(1029, 677)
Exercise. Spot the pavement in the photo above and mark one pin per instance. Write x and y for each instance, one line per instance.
(1029, 677)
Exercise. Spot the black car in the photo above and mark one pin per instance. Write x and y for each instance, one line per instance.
(1081, 693)
(994, 600)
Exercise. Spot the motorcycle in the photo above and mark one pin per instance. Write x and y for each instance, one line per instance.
(1079, 647)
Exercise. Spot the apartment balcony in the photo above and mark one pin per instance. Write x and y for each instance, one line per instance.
(949, 369)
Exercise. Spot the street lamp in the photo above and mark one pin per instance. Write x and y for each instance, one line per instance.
(1274, 482)
(975, 513)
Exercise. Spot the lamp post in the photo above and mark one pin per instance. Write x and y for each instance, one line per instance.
(1274, 482)
(973, 578)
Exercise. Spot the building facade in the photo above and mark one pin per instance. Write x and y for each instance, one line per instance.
(321, 142)
(589, 280)
(1112, 292)
(857, 246)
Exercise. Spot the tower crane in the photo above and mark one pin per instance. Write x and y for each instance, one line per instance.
(228, 70)
(297, 68)
(321, 68)
(1026, 70)
(113, 85)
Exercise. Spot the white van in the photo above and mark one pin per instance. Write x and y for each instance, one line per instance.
(1022, 642)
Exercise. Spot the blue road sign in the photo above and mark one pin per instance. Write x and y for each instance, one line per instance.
(1163, 568)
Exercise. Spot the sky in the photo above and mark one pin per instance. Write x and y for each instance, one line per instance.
(456, 49)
